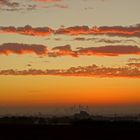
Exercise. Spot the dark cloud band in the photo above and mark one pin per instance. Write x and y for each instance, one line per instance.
(121, 31)
(15, 48)
(66, 50)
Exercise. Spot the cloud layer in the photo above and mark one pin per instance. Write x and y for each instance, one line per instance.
(111, 50)
(121, 31)
(86, 71)
(130, 31)
(115, 50)
(66, 50)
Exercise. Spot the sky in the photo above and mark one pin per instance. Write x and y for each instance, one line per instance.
(63, 53)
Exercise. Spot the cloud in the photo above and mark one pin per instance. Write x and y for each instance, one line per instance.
(80, 39)
(66, 50)
(7, 5)
(110, 50)
(28, 65)
(15, 48)
(75, 30)
(27, 30)
(121, 31)
(62, 51)
(63, 48)
(130, 31)
(134, 60)
(60, 6)
(57, 39)
(137, 65)
(100, 40)
(85, 71)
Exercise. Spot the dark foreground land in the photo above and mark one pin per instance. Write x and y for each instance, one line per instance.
(94, 131)
(80, 126)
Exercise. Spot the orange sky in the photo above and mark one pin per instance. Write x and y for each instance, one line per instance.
(69, 52)
(52, 90)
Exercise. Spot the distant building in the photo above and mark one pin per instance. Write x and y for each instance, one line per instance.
(82, 115)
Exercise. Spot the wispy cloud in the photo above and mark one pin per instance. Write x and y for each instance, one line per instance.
(134, 60)
(8, 5)
(59, 6)
(100, 40)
